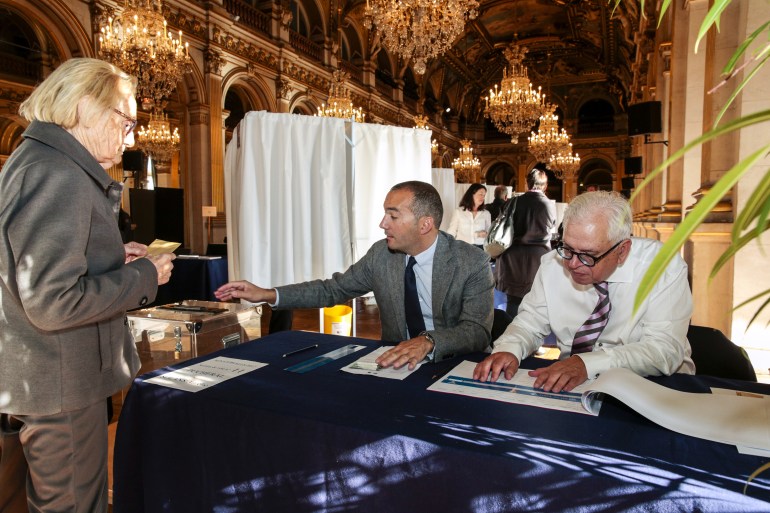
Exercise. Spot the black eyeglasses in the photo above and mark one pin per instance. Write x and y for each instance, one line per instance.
(585, 259)
(130, 122)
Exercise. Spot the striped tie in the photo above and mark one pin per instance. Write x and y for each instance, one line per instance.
(589, 332)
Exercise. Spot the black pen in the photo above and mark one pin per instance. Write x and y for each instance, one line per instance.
(308, 348)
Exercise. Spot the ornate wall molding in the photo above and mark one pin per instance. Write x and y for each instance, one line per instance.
(213, 61)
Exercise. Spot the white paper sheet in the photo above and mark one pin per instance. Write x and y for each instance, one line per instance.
(205, 374)
(741, 419)
(518, 390)
(367, 365)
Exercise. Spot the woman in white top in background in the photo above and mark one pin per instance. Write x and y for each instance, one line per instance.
(470, 222)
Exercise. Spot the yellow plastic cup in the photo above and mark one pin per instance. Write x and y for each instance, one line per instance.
(338, 320)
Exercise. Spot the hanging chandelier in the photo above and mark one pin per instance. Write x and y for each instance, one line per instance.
(157, 140)
(421, 122)
(434, 148)
(419, 29)
(138, 42)
(516, 106)
(565, 164)
(467, 167)
(548, 140)
(340, 105)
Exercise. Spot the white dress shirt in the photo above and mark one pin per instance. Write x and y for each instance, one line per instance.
(464, 226)
(423, 273)
(651, 343)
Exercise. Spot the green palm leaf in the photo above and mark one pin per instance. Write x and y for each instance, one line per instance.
(691, 223)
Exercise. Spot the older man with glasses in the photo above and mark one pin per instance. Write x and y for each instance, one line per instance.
(584, 293)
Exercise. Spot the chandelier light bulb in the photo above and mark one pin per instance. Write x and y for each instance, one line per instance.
(515, 106)
(419, 29)
(340, 105)
(138, 42)
(467, 167)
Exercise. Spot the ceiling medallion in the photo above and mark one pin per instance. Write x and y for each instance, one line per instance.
(157, 140)
(565, 164)
(138, 41)
(419, 29)
(467, 167)
(515, 108)
(548, 140)
(339, 104)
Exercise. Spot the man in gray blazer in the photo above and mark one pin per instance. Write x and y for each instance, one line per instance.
(453, 282)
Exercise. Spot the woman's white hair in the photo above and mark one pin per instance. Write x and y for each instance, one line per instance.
(56, 99)
(611, 205)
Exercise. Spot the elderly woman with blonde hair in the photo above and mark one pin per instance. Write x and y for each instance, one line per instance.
(66, 282)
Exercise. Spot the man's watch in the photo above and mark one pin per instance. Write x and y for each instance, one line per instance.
(430, 356)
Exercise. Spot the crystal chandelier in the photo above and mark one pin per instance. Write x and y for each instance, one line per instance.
(157, 140)
(548, 140)
(419, 29)
(516, 106)
(421, 122)
(565, 164)
(339, 103)
(467, 167)
(434, 148)
(138, 42)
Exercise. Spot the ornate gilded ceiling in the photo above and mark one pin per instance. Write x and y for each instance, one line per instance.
(572, 44)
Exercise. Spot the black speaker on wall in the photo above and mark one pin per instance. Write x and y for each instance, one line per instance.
(633, 165)
(133, 160)
(644, 118)
(158, 214)
(627, 182)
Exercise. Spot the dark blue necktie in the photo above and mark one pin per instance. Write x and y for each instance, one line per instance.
(414, 321)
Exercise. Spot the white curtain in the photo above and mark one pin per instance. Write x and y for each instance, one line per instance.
(382, 156)
(286, 189)
(444, 182)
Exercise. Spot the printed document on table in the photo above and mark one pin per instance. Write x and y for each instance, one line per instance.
(205, 374)
(518, 390)
(367, 365)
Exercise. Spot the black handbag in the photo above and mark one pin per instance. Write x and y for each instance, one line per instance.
(500, 236)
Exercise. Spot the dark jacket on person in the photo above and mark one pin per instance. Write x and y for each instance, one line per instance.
(64, 283)
(533, 222)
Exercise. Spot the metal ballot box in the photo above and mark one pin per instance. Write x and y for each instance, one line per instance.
(171, 333)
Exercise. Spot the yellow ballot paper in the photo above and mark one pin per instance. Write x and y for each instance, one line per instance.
(161, 246)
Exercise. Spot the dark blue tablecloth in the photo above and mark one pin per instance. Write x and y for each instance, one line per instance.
(329, 441)
(193, 278)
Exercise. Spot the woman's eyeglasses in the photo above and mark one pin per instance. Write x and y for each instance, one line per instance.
(130, 122)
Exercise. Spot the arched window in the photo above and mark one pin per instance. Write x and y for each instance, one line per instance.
(300, 22)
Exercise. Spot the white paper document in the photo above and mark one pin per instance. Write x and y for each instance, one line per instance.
(205, 374)
(518, 390)
(736, 418)
(367, 365)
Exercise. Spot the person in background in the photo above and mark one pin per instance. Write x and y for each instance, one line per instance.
(66, 281)
(501, 196)
(470, 223)
(533, 222)
(434, 292)
(584, 293)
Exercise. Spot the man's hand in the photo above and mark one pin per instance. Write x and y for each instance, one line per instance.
(134, 250)
(409, 352)
(561, 376)
(245, 290)
(491, 367)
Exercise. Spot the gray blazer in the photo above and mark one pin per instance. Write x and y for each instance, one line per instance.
(461, 289)
(64, 284)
